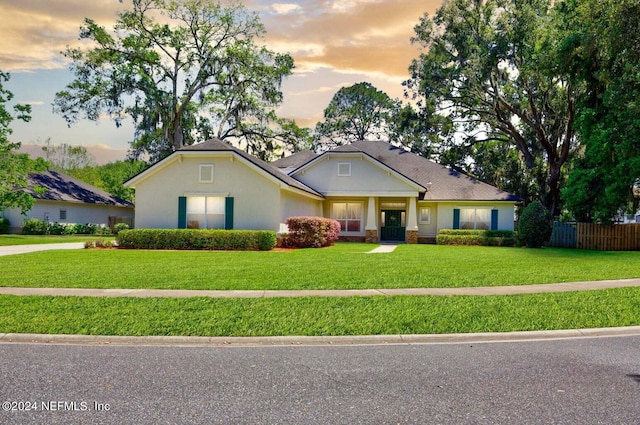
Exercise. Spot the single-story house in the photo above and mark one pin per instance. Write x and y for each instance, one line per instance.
(376, 191)
(67, 200)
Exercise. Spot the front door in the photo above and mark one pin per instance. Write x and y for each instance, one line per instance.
(393, 225)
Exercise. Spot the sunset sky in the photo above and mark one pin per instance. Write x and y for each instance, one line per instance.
(335, 43)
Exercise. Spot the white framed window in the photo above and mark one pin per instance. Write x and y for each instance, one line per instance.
(63, 215)
(344, 169)
(205, 212)
(206, 173)
(425, 215)
(475, 218)
(349, 215)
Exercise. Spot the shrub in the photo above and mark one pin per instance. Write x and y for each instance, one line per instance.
(476, 237)
(98, 243)
(4, 225)
(251, 240)
(311, 232)
(34, 226)
(535, 225)
(118, 227)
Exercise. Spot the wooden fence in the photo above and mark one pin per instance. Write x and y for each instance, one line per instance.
(617, 237)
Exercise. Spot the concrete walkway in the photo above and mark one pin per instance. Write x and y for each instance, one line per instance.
(23, 249)
(185, 293)
(383, 249)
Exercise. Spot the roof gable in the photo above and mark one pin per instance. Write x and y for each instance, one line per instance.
(216, 145)
(442, 183)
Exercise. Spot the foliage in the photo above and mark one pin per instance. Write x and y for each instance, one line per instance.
(260, 240)
(490, 68)
(98, 243)
(601, 50)
(476, 237)
(111, 177)
(14, 167)
(119, 227)
(535, 225)
(35, 226)
(66, 157)
(358, 112)
(311, 232)
(184, 71)
(4, 225)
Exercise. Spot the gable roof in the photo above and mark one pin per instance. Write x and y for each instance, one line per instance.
(217, 145)
(442, 183)
(62, 187)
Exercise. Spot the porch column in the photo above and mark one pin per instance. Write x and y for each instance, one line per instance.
(412, 222)
(371, 228)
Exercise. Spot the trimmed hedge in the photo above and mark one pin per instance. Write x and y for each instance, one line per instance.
(311, 232)
(204, 239)
(476, 237)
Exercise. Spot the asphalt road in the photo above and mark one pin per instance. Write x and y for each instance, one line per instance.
(577, 381)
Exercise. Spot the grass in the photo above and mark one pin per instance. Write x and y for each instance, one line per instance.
(7, 240)
(318, 316)
(344, 266)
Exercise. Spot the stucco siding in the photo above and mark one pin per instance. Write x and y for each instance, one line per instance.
(428, 229)
(363, 177)
(256, 198)
(506, 213)
(75, 213)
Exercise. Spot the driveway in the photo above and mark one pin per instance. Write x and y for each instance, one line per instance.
(23, 249)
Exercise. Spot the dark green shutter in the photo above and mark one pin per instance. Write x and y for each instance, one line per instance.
(494, 219)
(228, 213)
(456, 218)
(182, 212)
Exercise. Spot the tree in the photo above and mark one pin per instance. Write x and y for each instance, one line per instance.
(110, 177)
(14, 167)
(490, 68)
(601, 50)
(535, 225)
(183, 70)
(358, 112)
(65, 156)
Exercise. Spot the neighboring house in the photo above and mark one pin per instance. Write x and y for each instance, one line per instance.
(64, 199)
(378, 192)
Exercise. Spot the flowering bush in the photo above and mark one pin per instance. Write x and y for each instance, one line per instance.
(311, 232)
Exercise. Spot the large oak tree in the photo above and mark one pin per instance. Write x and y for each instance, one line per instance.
(184, 71)
(489, 67)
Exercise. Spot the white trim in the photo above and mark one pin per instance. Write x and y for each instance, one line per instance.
(197, 193)
(381, 194)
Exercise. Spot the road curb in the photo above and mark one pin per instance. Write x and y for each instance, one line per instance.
(279, 341)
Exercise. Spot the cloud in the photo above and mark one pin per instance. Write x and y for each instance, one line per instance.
(34, 32)
(285, 8)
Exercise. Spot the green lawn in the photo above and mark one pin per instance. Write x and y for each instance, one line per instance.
(341, 266)
(319, 316)
(6, 240)
(344, 266)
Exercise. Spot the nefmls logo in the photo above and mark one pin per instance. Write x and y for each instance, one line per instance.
(67, 406)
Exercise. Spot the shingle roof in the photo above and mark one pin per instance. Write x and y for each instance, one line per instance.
(293, 161)
(442, 183)
(217, 145)
(61, 187)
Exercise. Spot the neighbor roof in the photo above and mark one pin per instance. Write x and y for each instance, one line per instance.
(62, 187)
(442, 183)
